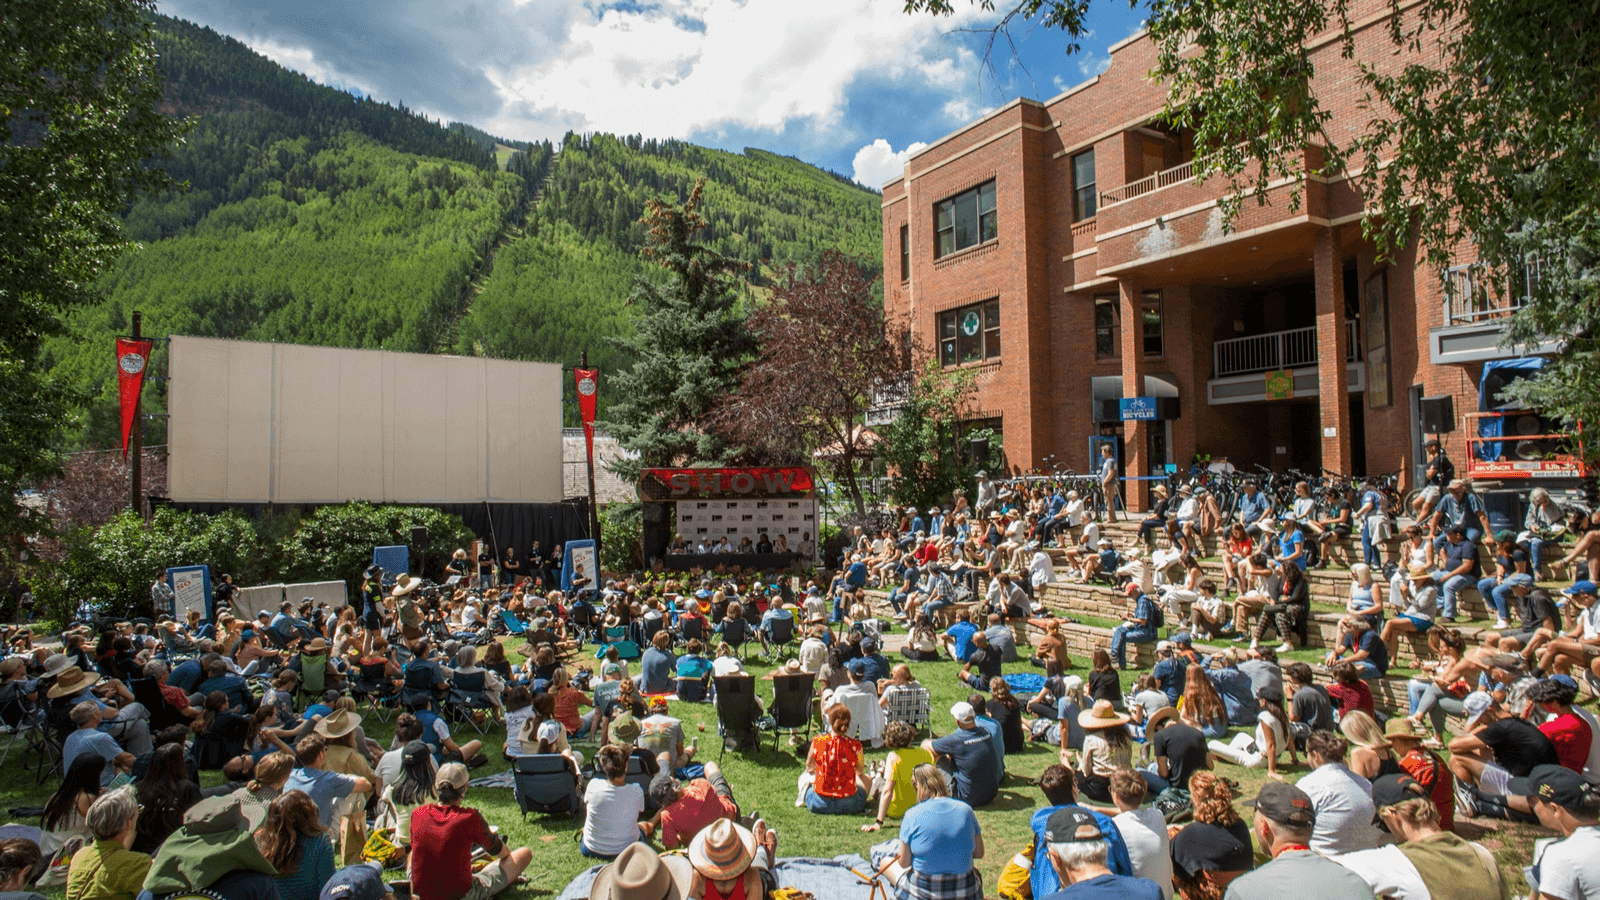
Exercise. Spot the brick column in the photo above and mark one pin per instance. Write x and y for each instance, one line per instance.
(1333, 379)
(1135, 435)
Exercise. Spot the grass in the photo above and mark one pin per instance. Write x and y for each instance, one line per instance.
(765, 781)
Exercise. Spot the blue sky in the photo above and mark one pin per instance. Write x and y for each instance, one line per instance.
(845, 84)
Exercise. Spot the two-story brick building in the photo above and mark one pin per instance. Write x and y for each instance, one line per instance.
(1064, 252)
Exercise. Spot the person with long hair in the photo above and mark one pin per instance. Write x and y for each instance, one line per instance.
(266, 783)
(65, 811)
(412, 789)
(1371, 755)
(218, 732)
(1216, 845)
(293, 839)
(1006, 709)
(1289, 608)
(1106, 749)
(1271, 739)
(1104, 683)
(923, 643)
(165, 793)
(1201, 706)
(837, 769)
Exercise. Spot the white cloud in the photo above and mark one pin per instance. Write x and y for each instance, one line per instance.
(877, 163)
(1091, 65)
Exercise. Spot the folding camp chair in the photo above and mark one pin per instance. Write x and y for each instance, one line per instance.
(780, 638)
(469, 694)
(512, 623)
(637, 775)
(372, 684)
(162, 714)
(416, 692)
(692, 629)
(618, 637)
(736, 633)
(792, 702)
(737, 710)
(546, 783)
(313, 677)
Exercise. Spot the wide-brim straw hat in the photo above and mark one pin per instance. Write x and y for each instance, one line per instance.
(636, 874)
(1102, 715)
(73, 680)
(404, 584)
(315, 646)
(338, 724)
(1160, 717)
(1404, 729)
(723, 850)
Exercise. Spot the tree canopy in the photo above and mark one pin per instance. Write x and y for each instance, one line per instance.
(1486, 140)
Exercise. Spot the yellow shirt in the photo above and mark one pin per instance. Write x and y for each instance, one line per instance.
(105, 870)
(902, 763)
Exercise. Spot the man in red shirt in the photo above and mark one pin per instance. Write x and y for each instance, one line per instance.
(442, 837)
(1565, 728)
(686, 809)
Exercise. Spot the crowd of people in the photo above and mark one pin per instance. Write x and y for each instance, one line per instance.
(1136, 802)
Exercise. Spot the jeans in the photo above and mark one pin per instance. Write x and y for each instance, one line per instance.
(1369, 551)
(1147, 530)
(1434, 702)
(1153, 781)
(584, 849)
(836, 806)
(1536, 553)
(1491, 589)
(896, 601)
(1366, 671)
(1450, 586)
(1122, 635)
(933, 606)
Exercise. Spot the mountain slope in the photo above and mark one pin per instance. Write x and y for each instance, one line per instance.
(314, 216)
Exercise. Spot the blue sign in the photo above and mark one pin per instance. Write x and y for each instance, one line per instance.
(394, 559)
(580, 567)
(1137, 409)
(191, 589)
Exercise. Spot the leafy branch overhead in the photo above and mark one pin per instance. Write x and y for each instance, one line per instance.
(1475, 131)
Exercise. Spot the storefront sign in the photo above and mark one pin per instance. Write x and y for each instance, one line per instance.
(1137, 409)
(680, 484)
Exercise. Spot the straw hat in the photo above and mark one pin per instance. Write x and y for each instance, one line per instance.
(73, 680)
(1402, 728)
(722, 851)
(338, 724)
(315, 647)
(1160, 717)
(636, 874)
(1419, 572)
(404, 584)
(1102, 715)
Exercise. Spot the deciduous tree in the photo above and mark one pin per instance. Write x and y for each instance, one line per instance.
(919, 447)
(825, 348)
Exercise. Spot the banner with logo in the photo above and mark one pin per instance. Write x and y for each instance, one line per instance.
(588, 383)
(133, 357)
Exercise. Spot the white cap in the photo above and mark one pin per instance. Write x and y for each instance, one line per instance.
(1072, 683)
(963, 712)
(549, 730)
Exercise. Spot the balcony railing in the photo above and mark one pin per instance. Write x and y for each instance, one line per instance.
(1292, 349)
(1470, 297)
(1083, 228)
(1164, 178)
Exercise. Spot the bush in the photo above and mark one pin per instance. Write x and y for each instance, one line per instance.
(622, 537)
(337, 541)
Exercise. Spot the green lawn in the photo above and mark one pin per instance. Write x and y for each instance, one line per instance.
(765, 780)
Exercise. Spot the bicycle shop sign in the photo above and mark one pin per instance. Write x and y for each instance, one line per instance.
(713, 483)
(1137, 409)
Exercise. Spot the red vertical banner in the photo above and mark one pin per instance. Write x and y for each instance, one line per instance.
(588, 383)
(133, 357)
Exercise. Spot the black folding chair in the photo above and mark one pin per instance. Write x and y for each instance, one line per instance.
(162, 714)
(792, 701)
(546, 783)
(469, 694)
(737, 711)
(780, 638)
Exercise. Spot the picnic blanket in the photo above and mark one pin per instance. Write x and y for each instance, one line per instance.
(831, 878)
(1025, 682)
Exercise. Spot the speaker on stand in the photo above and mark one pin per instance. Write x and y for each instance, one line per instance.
(419, 545)
(1439, 414)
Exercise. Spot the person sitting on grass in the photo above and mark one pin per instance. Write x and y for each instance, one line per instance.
(939, 841)
(1270, 741)
(107, 869)
(684, 810)
(1106, 749)
(1564, 802)
(1143, 830)
(1283, 827)
(983, 664)
(835, 780)
(897, 792)
(1076, 845)
(1425, 766)
(613, 807)
(443, 836)
(1430, 861)
(297, 845)
(1028, 874)
(968, 755)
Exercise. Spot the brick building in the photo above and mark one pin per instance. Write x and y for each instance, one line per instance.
(1073, 232)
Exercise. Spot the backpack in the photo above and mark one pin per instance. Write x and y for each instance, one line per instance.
(1158, 619)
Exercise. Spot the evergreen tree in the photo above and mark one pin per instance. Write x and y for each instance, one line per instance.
(689, 344)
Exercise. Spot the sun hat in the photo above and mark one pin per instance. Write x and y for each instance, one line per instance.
(56, 662)
(792, 667)
(723, 850)
(73, 680)
(1419, 572)
(1403, 728)
(1285, 804)
(1160, 717)
(1475, 704)
(338, 724)
(1102, 715)
(316, 647)
(625, 728)
(404, 584)
(636, 874)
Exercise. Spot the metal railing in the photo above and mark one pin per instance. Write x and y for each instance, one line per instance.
(1470, 295)
(1295, 348)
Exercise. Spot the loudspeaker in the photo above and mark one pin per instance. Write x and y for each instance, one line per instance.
(419, 540)
(980, 452)
(655, 513)
(1439, 414)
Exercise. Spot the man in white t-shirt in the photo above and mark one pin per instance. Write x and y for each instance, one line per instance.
(1568, 869)
(1143, 830)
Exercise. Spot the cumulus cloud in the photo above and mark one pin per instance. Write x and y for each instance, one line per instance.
(1091, 65)
(878, 163)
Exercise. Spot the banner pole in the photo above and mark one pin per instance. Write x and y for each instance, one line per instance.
(588, 443)
(136, 438)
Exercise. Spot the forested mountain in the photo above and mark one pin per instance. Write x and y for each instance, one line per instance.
(316, 216)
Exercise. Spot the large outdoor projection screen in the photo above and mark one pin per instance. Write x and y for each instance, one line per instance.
(281, 423)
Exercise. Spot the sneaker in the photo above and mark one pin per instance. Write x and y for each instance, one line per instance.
(1285, 647)
(1465, 806)
(1240, 638)
(1592, 681)
(1501, 624)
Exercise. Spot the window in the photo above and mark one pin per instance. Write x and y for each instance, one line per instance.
(1150, 315)
(1107, 334)
(905, 252)
(969, 334)
(1083, 195)
(963, 221)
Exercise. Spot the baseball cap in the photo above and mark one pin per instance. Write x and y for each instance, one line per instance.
(1566, 681)
(1163, 646)
(611, 668)
(452, 774)
(1579, 587)
(1285, 804)
(963, 712)
(362, 881)
(549, 730)
(1397, 788)
(1475, 704)
(1183, 639)
(857, 665)
(1203, 847)
(1556, 784)
(1072, 683)
(1071, 825)
(415, 752)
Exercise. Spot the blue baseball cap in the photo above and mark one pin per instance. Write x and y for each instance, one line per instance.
(1581, 587)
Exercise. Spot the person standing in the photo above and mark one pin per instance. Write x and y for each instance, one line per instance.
(443, 836)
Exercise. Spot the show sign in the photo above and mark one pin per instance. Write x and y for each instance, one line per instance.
(726, 483)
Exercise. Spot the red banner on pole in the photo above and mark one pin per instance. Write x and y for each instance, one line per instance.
(588, 382)
(133, 357)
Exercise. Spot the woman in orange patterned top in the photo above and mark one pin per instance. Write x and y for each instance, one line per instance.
(837, 769)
